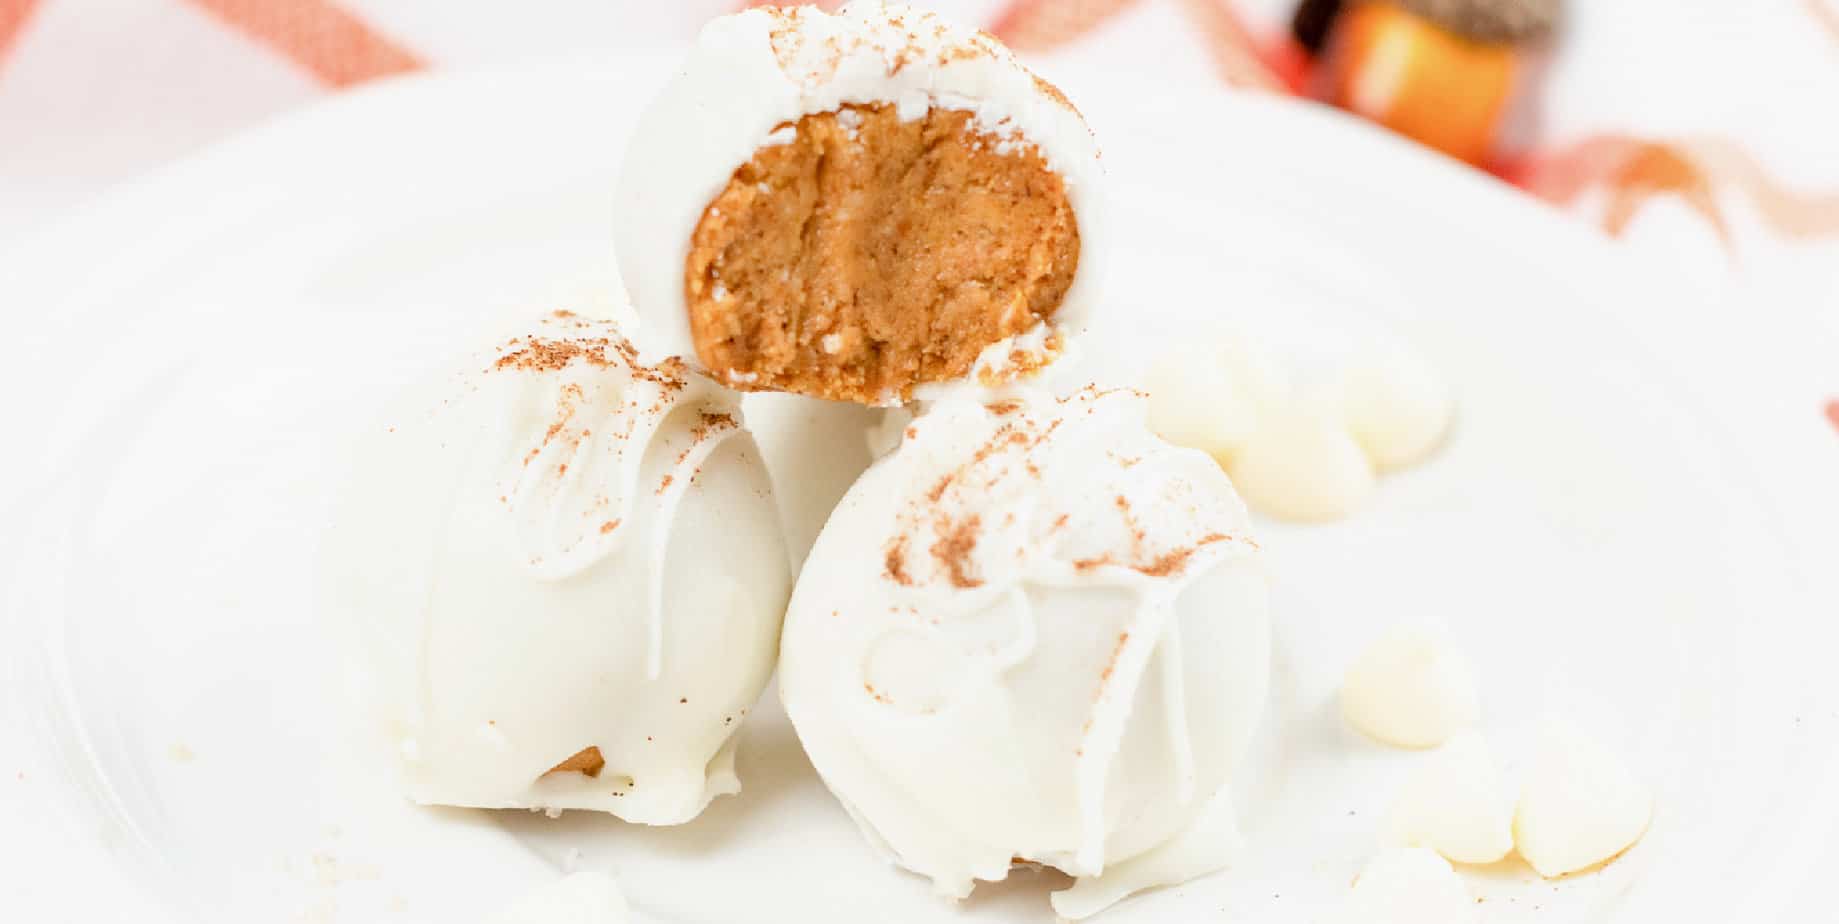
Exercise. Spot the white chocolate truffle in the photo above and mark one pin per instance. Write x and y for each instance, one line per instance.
(566, 576)
(1409, 885)
(1580, 805)
(586, 897)
(749, 90)
(1033, 632)
(1410, 689)
(1396, 406)
(1211, 393)
(1455, 803)
(1301, 464)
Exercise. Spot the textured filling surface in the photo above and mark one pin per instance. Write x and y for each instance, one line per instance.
(867, 255)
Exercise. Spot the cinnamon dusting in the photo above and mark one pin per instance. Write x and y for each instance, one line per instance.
(896, 562)
(953, 549)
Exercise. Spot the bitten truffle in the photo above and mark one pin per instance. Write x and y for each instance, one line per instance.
(853, 206)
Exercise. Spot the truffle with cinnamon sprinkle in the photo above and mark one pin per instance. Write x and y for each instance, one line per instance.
(523, 552)
(1033, 632)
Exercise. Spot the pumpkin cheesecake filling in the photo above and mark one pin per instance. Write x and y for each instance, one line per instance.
(865, 255)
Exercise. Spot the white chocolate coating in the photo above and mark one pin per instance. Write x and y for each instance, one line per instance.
(555, 549)
(754, 72)
(1203, 846)
(1032, 631)
(814, 450)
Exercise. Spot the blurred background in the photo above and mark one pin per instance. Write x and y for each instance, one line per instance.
(1703, 135)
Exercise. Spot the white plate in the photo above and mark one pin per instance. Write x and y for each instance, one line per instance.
(1608, 525)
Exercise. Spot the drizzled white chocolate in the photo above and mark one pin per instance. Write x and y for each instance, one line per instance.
(527, 558)
(1034, 631)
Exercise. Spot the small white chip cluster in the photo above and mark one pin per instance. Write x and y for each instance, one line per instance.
(1579, 805)
(1309, 454)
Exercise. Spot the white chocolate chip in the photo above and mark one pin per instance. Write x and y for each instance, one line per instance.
(1301, 464)
(1208, 394)
(1193, 402)
(1409, 885)
(1456, 804)
(1581, 805)
(1410, 689)
(1396, 406)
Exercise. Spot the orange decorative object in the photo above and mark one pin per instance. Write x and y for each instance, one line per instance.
(1420, 79)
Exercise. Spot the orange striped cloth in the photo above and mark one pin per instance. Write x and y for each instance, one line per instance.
(326, 40)
(322, 38)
